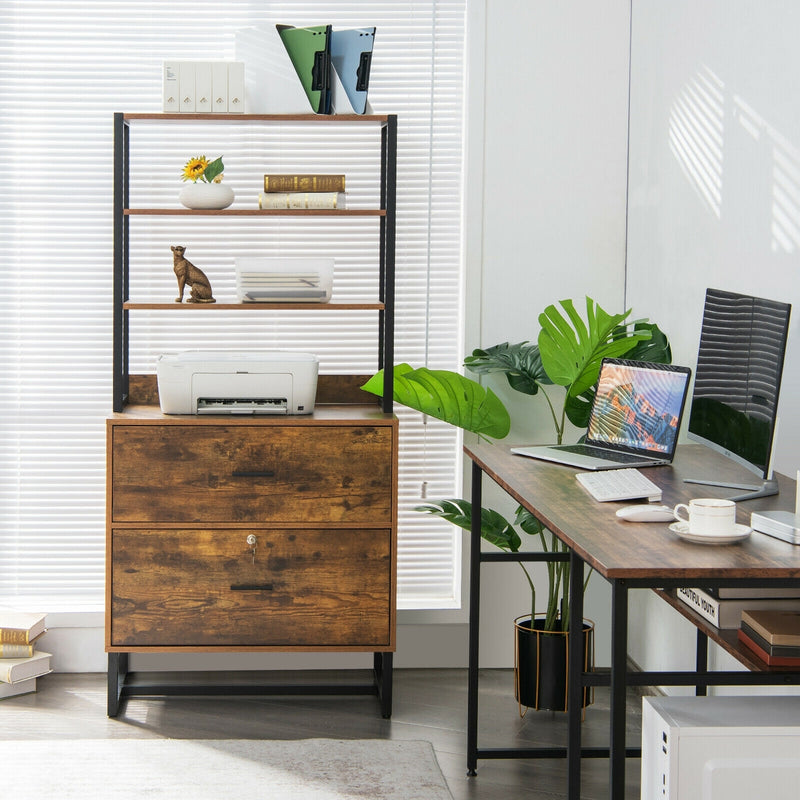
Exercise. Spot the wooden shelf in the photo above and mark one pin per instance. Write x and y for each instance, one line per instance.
(186, 306)
(321, 118)
(257, 212)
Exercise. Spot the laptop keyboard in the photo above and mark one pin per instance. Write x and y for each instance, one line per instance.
(599, 452)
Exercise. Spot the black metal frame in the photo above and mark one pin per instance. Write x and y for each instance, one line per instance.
(619, 678)
(123, 684)
(121, 260)
(120, 681)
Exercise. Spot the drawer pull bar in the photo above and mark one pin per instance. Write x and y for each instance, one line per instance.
(243, 473)
(251, 587)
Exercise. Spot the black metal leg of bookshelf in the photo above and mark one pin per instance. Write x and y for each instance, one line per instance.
(117, 670)
(383, 682)
(123, 683)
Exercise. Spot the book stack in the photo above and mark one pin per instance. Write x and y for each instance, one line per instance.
(20, 662)
(303, 191)
(774, 636)
(724, 607)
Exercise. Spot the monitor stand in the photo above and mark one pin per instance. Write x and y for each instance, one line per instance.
(767, 488)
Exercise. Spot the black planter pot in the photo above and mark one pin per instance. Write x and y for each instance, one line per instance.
(540, 674)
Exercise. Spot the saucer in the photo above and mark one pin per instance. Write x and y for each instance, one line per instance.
(740, 533)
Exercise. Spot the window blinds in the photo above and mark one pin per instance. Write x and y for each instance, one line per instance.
(66, 67)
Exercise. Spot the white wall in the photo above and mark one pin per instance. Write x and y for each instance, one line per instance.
(714, 200)
(552, 135)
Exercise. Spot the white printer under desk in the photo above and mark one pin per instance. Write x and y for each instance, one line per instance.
(720, 748)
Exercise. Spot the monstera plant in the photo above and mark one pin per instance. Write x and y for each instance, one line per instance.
(568, 353)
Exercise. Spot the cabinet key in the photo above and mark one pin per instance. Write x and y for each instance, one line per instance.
(252, 541)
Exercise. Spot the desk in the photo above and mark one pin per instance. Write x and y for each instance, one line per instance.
(629, 556)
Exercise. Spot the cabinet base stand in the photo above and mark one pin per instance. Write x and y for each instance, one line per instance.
(123, 684)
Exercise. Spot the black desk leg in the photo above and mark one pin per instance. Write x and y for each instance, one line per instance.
(701, 662)
(619, 666)
(575, 670)
(474, 622)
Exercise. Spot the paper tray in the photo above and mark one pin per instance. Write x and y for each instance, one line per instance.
(284, 280)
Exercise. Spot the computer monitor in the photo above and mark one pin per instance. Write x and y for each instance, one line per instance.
(737, 383)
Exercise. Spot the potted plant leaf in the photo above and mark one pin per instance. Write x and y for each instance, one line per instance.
(568, 352)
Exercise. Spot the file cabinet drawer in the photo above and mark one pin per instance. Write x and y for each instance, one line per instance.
(305, 588)
(260, 473)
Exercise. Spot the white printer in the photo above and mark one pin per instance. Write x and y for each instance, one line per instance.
(208, 382)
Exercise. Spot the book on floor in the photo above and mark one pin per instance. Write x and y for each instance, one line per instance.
(15, 689)
(20, 627)
(9, 650)
(13, 670)
(776, 626)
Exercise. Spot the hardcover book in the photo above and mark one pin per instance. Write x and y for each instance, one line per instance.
(13, 670)
(727, 614)
(777, 627)
(764, 655)
(8, 650)
(787, 650)
(304, 183)
(18, 688)
(301, 200)
(20, 627)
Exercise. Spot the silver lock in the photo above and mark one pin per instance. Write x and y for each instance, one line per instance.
(251, 541)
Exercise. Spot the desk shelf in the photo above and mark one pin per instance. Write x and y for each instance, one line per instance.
(727, 639)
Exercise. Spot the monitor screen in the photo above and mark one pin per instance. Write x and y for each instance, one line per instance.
(738, 376)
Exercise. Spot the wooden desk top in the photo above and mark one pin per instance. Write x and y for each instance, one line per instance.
(618, 549)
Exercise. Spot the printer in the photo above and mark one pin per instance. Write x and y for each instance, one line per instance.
(208, 382)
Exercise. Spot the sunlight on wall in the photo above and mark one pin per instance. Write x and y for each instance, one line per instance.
(704, 151)
(696, 129)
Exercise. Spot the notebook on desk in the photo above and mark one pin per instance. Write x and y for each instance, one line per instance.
(634, 422)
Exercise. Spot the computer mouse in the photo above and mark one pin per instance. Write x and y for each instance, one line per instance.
(646, 512)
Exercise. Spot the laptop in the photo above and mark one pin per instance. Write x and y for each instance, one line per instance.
(634, 421)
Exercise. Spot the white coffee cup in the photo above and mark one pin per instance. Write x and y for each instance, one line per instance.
(708, 516)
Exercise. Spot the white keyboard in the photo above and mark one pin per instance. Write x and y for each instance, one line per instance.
(618, 484)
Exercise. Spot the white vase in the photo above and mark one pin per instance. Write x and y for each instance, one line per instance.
(206, 195)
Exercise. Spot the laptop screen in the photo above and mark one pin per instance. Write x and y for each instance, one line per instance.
(638, 406)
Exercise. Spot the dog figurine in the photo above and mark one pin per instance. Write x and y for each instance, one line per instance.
(190, 275)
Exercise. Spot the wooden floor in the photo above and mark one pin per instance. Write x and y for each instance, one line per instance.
(428, 705)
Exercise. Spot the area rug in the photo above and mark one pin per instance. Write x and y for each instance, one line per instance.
(217, 769)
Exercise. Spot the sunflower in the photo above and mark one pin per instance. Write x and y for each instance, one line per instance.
(195, 167)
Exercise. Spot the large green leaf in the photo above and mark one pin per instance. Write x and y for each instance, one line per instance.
(495, 528)
(520, 363)
(656, 349)
(448, 396)
(572, 349)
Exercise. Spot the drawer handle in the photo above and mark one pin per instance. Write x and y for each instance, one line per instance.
(244, 473)
(251, 587)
